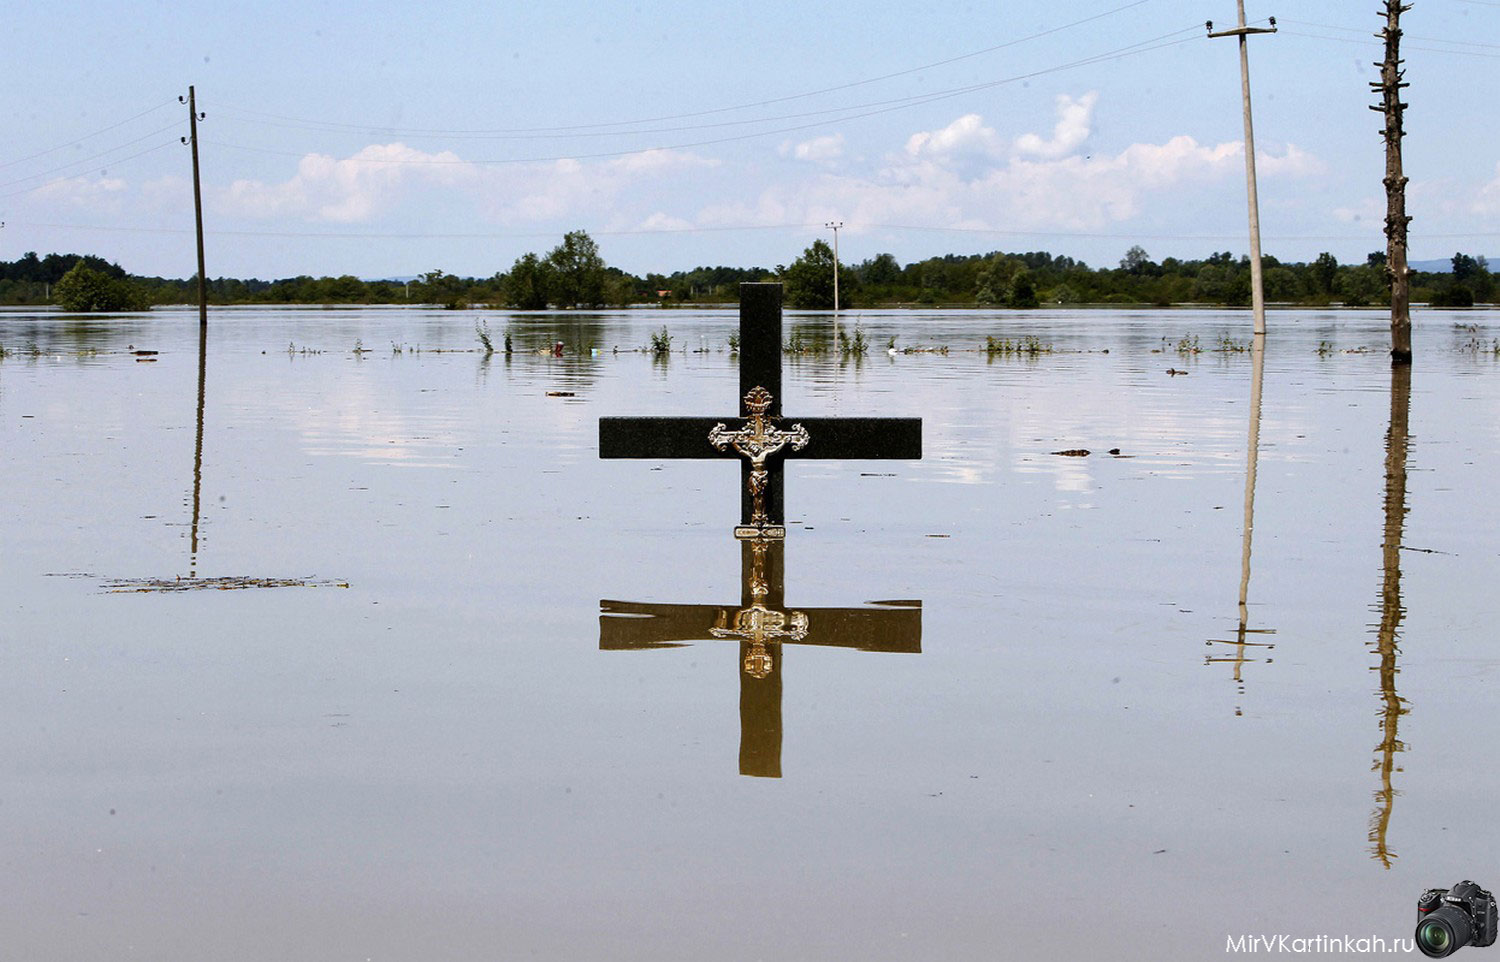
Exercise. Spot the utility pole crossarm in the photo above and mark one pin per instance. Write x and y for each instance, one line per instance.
(1239, 32)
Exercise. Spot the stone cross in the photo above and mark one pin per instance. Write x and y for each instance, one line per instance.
(763, 625)
(762, 444)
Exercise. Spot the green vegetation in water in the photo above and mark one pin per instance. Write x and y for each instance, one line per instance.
(855, 345)
(1188, 344)
(86, 289)
(1028, 346)
(1325, 348)
(1228, 345)
(800, 343)
(734, 342)
(293, 350)
(661, 343)
(482, 331)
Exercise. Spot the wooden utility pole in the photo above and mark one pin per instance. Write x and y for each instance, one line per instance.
(192, 139)
(1396, 221)
(1257, 284)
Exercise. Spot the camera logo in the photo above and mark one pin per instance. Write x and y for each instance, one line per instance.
(1449, 919)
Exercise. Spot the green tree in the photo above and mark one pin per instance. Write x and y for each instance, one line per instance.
(809, 280)
(577, 271)
(528, 286)
(86, 289)
(882, 269)
(1022, 292)
(1324, 270)
(1137, 261)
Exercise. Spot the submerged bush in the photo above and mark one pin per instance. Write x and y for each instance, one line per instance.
(85, 289)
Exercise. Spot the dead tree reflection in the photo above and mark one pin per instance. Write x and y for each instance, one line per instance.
(1387, 633)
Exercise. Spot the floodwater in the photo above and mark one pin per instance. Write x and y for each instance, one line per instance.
(391, 715)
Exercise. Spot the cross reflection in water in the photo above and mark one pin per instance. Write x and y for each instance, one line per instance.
(763, 626)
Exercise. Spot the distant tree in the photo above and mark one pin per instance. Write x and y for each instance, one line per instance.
(1454, 295)
(1324, 270)
(1362, 285)
(86, 289)
(577, 271)
(1022, 293)
(1473, 274)
(1136, 261)
(528, 285)
(993, 280)
(881, 269)
(809, 280)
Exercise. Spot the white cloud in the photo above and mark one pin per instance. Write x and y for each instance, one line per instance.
(966, 137)
(1296, 162)
(345, 191)
(819, 150)
(1488, 201)
(660, 160)
(377, 178)
(664, 221)
(94, 193)
(962, 175)
(1074, 123)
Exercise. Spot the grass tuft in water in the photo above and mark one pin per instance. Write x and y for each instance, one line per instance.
(1027, 346)
(856, 345)
(482, 331)
(661, 342)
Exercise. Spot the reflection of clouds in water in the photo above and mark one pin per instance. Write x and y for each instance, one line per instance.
(355, 424)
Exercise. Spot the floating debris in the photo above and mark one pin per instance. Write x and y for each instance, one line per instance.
(1073, 453)
(561, 394)
(223, 583)
(1174, 372)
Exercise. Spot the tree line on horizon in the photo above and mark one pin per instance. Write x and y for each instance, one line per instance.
(573, 274)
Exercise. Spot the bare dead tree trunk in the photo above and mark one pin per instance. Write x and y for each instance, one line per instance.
(1396, 221)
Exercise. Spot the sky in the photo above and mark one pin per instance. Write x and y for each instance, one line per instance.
(382, 139)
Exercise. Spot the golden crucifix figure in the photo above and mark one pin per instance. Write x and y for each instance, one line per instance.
(756, 441)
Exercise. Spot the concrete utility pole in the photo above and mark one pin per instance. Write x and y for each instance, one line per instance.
(192, 138)
(1257, 284)
(1396, 221)
(835, 225)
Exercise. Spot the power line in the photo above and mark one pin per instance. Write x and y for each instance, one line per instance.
(1404, 34)
(883, 107)
(1376, 43)
(91, 158)
(76, 140)
(521, 131)
(117, 160)
(915, 99)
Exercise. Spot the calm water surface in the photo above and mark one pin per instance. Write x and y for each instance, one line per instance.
(426, 753)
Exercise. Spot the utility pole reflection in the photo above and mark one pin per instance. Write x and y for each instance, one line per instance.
(1252, 461)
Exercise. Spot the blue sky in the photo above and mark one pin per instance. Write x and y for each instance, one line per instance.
(380, 139)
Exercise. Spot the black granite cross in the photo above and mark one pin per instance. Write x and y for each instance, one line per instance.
(762, 445)
(762, 624)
